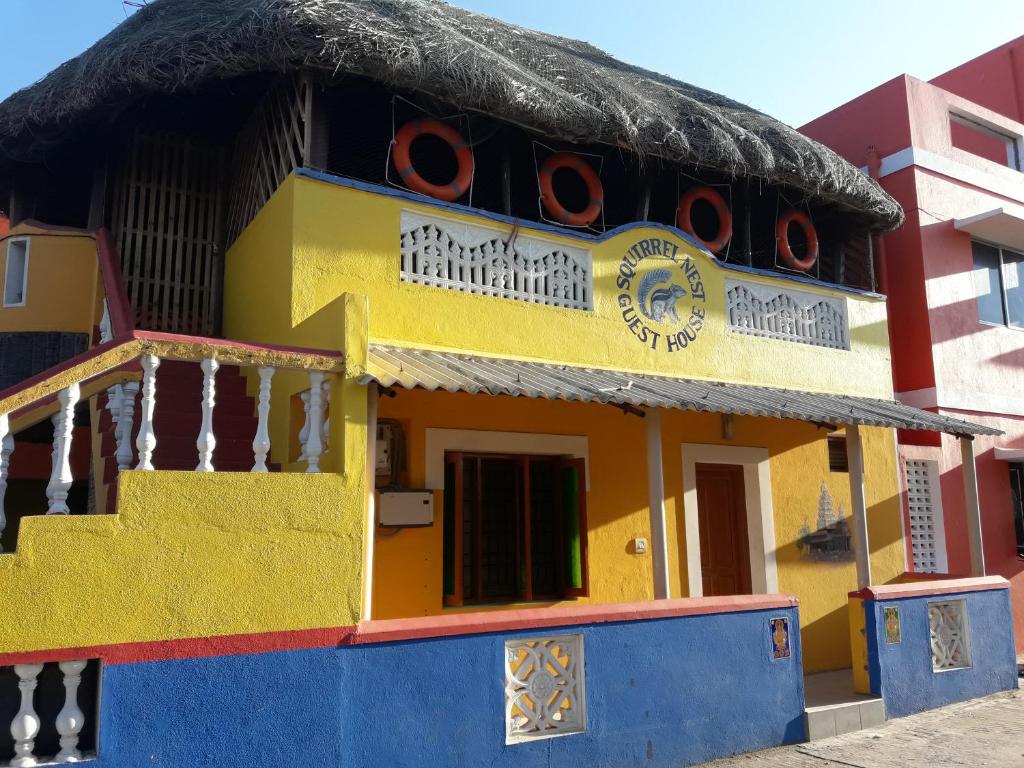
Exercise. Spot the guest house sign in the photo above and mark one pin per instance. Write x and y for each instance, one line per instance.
(662, 298)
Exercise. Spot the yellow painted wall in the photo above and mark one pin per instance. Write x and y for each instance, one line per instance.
(316, 248)
(347, 241)
(63, 282)
(189, 555)
(408, 564)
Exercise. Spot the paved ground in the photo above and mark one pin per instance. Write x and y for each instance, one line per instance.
(975, 734)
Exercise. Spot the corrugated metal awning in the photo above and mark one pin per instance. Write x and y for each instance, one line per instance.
(455, 372)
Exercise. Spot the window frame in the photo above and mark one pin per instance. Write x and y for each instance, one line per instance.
(1002, 285)
(453, 530)
(1016, 471)
(975, 123)
(24, 276)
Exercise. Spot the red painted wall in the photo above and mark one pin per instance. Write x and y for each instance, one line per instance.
(995, 80)
(941, 351)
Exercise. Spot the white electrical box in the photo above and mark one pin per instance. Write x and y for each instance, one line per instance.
(405, 509)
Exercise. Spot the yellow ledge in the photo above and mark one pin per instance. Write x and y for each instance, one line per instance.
(189, 555)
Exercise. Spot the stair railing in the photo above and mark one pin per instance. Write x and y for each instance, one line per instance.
(115, 364)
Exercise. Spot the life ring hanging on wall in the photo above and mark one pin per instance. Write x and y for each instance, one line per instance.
(715, 200)
(559, 212)
(802, 220)
(408, 133)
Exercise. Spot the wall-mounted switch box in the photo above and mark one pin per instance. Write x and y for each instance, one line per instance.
(405, 509)
(640, 546)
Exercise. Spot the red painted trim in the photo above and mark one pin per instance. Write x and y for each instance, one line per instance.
(232, 344)
(925, 588)
(122, 319)
(394, 630)
(64, 365)
(472, 623)
(190, 648)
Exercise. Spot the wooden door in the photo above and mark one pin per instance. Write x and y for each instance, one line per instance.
(722, 517)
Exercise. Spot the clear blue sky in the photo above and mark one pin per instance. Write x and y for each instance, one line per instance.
(793, 59)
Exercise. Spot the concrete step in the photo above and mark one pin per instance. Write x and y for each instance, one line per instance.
(832, 708)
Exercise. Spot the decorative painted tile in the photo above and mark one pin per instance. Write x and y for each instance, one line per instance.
(891, 616)
(778, 629)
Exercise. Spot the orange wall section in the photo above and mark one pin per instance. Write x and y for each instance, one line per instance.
(408, 564)
(64, 287)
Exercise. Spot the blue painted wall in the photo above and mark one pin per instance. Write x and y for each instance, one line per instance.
(668, 692)
(902, 673)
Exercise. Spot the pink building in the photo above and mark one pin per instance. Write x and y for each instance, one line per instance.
(950, 151)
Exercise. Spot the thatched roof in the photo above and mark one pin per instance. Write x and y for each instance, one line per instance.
(557, 86)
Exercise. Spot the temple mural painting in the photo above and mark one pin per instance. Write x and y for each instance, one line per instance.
(830, 540)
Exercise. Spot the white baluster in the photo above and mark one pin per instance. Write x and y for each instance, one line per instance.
(261, 443)
(6, 449)
(206, 441)
(106, 330)
(25, 726)
(325, 430)
(60, 476)
(70, 719)
(126, 423)
(304, 432)
(316, 413)
(146, 441)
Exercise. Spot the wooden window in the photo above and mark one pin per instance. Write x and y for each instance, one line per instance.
(838, 461)
(514, 528)
(16, 273)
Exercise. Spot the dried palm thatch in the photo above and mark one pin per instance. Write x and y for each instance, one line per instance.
(556, 86)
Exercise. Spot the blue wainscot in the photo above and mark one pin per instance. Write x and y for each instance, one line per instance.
(936, 642)
(666, 683)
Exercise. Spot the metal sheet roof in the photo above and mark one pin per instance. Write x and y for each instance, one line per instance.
(392, 366)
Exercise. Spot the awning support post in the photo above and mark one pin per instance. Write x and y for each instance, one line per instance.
(656, 503)
(862, 549)
(972, 508)
(371, 514)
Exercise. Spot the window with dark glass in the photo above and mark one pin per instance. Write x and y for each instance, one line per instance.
(514, 528)
(1017, 493)
(999, 285)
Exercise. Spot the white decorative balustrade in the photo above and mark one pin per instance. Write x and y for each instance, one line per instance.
(69, 723)
(131, 401)
(545, 692)
(765, 310)
(474, 258)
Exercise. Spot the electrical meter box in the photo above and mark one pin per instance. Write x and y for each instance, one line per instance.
(405, 509)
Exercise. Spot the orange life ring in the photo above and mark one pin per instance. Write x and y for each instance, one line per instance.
(403, 163)
(547, 192)
(793, 216)
(711, 196)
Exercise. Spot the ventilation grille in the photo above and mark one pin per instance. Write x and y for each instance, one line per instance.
(924, 499)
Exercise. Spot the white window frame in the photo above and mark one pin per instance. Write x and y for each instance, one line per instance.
(981, 125)
(938, 518)
(24, 276)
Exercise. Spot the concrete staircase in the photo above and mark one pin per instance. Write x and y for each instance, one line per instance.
(176, 421)
(832, 708)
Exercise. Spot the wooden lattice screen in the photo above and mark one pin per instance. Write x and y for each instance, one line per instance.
(274, 141)
(166, 218)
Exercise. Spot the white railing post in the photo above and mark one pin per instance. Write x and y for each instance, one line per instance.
(261, 443)
(70, 719)
(25, 726)
(146, 441)
(60, 475)
(304, 432)
(125, 424)
(6, 449)
(206, 441)
(325, 430)
(314, 444)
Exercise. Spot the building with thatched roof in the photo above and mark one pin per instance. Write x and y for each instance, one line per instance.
(377, 359)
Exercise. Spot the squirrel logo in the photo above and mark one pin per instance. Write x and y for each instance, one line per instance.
(661, 306)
